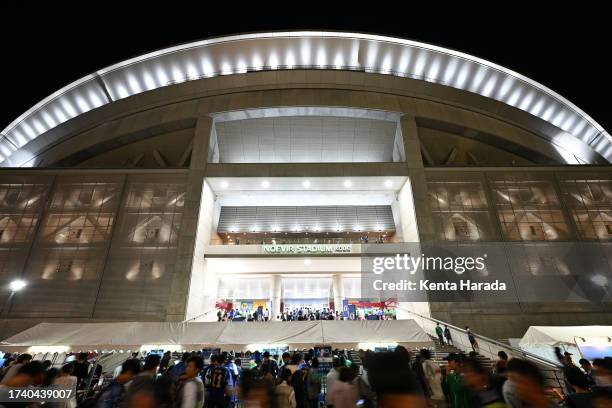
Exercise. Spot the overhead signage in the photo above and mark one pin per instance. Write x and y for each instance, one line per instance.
(312, 249)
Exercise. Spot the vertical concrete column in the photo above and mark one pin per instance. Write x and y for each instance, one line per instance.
(416, 221)
(276, 295)
(338, 291)
(184, 281)
(417, 181)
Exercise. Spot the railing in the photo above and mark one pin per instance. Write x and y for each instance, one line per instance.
(489, 348)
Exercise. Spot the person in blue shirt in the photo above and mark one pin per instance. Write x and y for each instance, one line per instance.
(271, 365)
(179, 368)
(217, 381)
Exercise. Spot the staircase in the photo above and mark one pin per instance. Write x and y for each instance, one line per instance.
(489, 348)
(440, 351)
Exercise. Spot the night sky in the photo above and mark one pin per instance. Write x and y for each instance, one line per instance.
(569, 52)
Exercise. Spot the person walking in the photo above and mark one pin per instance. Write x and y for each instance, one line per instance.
(440, 333)
(285, 396)
(448, 337)
(472, 340)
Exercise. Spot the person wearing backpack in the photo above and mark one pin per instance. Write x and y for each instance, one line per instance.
(112, 396)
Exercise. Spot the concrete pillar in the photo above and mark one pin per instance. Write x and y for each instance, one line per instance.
(193, 223)
(338, 291)
(276, 295)
(417, 182)
(416, 221)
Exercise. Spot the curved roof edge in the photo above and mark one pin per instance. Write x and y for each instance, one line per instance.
(300, 50)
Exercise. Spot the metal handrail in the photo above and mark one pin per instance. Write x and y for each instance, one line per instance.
(513, 349)
(550, 367)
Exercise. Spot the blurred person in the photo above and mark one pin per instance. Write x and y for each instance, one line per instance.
(68, 381)
(50, 375)
(393, 381)
(285, 359)
(313, 384)
(285, 395)
(582, 396)
(271, 364)
(232, 368)
(298, 379)
(296, 362)
(501, 363)
(332, 377)
(484, 388)
(364, 391)
(256, 393)
(19, 362)
(112, 395)
(239, 371)
(190, 391)
(179, 368)
(602, 398)
(472, 340)
(587, 368)
(31, 373)
(343, 393)
(525, 385)
(47, 364)
(447, 336)
(432, 374)
(81, 369)
(602, 372)
(217, 380)
(457, 390)
(144, 381)
(165, 361)
(440, 333)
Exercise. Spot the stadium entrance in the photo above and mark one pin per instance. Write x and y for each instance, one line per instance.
(290, 248)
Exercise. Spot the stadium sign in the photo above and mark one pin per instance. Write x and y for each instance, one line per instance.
(313, 249)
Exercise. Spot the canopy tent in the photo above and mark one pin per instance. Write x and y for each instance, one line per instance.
(115, 335)
(227, 335)
(541, 340)
(374, 331)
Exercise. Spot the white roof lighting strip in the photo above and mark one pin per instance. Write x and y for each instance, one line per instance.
(25, 137)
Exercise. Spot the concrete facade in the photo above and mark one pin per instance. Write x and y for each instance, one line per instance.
(130, 149)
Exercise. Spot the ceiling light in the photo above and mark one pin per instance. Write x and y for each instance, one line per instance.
(265, 184)
(17, 285)
(224, 184)
(388, 183)
(306, 183)
(348, 183)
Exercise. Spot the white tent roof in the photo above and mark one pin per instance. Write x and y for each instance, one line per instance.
(116, 335)
(554, 335)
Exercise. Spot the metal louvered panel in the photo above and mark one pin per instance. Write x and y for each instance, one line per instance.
(297, 219)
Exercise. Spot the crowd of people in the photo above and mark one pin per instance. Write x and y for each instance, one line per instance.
(301, 314)
(388, 379)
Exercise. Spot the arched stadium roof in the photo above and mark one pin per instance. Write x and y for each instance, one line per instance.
(301, 50)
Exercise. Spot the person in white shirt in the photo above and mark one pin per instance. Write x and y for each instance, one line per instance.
(69, 382)
(191, 394)
(332, 377)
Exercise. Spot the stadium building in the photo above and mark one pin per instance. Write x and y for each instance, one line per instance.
(251, 169)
